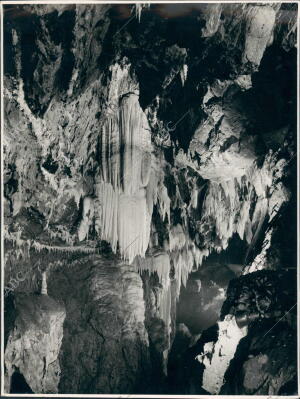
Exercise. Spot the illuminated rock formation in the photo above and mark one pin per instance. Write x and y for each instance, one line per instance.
(143, 145)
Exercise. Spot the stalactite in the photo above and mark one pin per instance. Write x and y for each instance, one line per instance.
(158, 262)
(164, 302)
(194, 198)
(138, 11)
(177, 238)
(124, 203)
(27, 245)
(227, 205)
(164, 201)
(183, 74)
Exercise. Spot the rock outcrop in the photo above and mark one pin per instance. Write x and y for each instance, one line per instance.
(34, 343)
(105, 344)
(258, 318)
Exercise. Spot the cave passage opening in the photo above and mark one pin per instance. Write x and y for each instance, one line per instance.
(201, 300)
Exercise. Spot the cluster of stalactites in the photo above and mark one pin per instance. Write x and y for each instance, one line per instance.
(125, 144)
(123, 220)
(227, 208)
(139, 8)
(181, 252)
(124, 200)
(159, 262)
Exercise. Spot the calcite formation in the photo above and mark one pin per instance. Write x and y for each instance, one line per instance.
(141, 144)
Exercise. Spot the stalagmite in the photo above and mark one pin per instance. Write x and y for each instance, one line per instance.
(44, 283)
(88, 213)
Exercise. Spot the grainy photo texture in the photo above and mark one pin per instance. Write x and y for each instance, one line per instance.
(150, 198)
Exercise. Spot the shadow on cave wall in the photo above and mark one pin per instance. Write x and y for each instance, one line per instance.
(19, 384)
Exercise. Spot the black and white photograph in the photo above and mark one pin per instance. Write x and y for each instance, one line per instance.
(149, 198)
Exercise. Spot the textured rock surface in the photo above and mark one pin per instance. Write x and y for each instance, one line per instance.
(105, 344)
(217, 355)
(138, 142)
(33, 345)
(261, 307)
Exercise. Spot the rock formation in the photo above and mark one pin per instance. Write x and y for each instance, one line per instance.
(149, 159)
